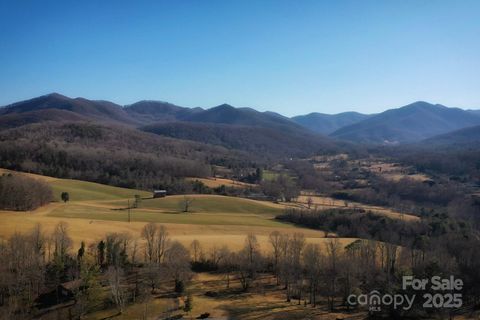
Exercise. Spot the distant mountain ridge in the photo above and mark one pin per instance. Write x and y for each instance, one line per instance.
(243, 129)
(328, 123)
(411, 123)
(52, 106)
(150, 111)
(414, 122)
(466, 137)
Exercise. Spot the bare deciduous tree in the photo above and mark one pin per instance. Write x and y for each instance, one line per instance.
(275, 240)
(196, 250)
(312, 261)
(248, 261)
(297, 243)
(309, 202)
(149, 232)
(62, 242)
(116, 279)
(333, 252)
(177, 263)
(162, 243)
(186, 203)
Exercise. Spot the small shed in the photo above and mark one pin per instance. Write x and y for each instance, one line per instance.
(63, 293)
(159, 193)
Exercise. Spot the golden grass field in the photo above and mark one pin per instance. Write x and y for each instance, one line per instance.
(395, 172)
(215, 221)
(329, 203)
(217, 182)
(97, 209)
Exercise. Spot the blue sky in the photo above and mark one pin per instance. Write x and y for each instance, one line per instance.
(293, 57)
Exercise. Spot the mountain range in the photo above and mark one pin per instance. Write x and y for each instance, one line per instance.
(329, 123)
(411, 123)
(242, 129)
(56, 105)
(464, 138)
(248, 129)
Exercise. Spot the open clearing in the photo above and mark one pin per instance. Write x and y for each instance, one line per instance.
(217, 182)
(83, 190)
(265, 300)
(331, 203)
(394, 171)
(209, 234)
(96, 209)
(209, 204)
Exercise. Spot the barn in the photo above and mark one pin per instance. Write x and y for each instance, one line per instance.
(159, 193)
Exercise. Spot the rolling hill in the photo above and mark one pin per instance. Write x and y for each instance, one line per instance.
(245, 129)
(227, 114)
(55, 106)
(83, 190)
(328, 123)
(242, 129)
(59, 108)
(144, 145)
(263, 133)
(109, 154)
(13, 119)
(148, 111)
(262, 141)
(411, 123)
(464, 138)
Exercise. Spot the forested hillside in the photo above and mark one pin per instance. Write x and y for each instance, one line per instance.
(264, 142)
(411, 123)
(108, 154)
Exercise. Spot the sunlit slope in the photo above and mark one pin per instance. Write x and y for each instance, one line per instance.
(82, 190)
(209, 204)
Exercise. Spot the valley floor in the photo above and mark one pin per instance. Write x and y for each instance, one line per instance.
(96, 210)
(215, 221)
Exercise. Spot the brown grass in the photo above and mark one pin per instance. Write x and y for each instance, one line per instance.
(264, 300)
(394, 171)
(329, 203)
(217, 182)
(93, 230)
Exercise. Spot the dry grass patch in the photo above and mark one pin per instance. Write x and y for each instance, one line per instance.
(329, 203)
(83, 190)
(217, 182)
(265, 300)
(209, 232)
(394, 171)
(213, 204)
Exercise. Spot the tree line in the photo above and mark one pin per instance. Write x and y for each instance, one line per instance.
(435, 245)
(405, 195)
(460, 163)
(21, 193)
(37, 266)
